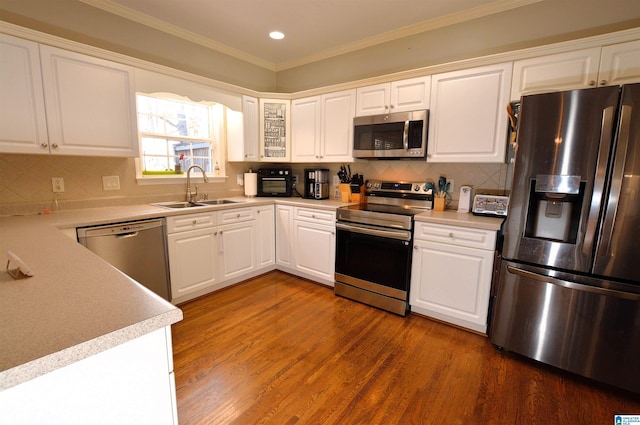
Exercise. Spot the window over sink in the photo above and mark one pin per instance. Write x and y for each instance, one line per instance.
(176, 133)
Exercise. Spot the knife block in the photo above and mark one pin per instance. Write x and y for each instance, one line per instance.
(357, 197)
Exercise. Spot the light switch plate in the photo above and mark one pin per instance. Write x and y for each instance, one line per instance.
(110, 182)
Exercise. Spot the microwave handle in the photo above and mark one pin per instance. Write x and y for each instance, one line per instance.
(405, 135)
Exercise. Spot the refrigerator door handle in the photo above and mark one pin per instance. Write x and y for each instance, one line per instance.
(606, 135)
(616, 183)
(573, 285)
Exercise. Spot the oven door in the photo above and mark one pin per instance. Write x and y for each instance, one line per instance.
(374, 258)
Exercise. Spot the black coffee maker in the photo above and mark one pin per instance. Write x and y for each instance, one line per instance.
(316, 183)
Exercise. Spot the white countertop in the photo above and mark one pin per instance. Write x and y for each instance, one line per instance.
(76, 305)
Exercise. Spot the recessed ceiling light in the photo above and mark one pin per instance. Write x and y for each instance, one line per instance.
(276, 35)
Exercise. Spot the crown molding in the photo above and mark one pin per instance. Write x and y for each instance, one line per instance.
(157, 24)
(432, 24)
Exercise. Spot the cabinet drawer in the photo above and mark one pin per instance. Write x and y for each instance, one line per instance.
(236, 215)
(454, 235)
(316, 216)
(181, 223)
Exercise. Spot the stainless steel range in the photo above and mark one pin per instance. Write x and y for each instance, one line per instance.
(374, 244)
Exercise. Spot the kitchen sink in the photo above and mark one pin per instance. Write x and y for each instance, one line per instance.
(218, 202)
(184, 204)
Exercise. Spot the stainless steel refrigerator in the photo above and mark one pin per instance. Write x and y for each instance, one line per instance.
(569, 283)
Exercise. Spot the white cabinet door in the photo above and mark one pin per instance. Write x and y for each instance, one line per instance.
(23, 126)
(398, 96)
(266, 240)
(90, 103)
(451, 283)
(193, 262)
(373, 100)
(468, 121)
(620, 64)
(410, 95)
(237, 249)
(305, 129)
(315, 248)
(275, 130)
(563, 71)
(338, 110)
(243, 132)
(284, 236)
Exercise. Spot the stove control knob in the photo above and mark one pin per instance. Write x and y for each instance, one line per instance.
(416, 187)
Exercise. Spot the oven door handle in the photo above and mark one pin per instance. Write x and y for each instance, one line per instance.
(402, 235)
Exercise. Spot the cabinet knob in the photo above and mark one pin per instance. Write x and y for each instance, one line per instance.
(44, 145)
(428, 155)
(451, 234)
(238, 216)
(55, 146)
(194, 222)
(391, 106)
(415, 247)
(592, 83)
(603, 82)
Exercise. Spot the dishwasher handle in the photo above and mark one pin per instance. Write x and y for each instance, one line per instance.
(127, 235)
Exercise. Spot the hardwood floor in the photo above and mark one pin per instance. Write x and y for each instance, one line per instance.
(281, 350)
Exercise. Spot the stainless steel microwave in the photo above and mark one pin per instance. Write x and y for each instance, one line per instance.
(391, 136)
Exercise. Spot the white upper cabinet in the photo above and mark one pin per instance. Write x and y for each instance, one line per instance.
(468, 118)
(305, 129)
(23, 126)
(563, 71)
(243, 131)
(90, 104)
(398, 96)
(609, 65)
(322, 127)
(620, 64)
(275, 130)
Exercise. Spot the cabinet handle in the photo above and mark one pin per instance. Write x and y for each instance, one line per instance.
(603, 82)
(55, 146)
(592, 83)
(194, 222)
(428, 155)
(391, 107)
(238, 216)
(451, 234)
(44, 145)
(415, 247)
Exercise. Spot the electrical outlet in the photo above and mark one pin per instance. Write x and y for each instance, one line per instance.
(295, 179)
(57, 184)
(110, 182)
(240, 179)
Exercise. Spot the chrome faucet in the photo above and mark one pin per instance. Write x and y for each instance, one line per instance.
(191, 196)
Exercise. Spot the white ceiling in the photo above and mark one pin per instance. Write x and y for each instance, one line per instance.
(314, 29)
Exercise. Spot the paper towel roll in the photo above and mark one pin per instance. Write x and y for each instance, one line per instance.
(250, 184)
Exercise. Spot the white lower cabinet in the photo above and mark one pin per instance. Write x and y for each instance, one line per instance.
(314, 244)
(131, 383)
(208, 251)
(237, 249)
(266, 237)
(193, 255)
(451, 274)
(284, 236)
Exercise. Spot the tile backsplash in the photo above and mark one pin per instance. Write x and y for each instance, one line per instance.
(25, 180)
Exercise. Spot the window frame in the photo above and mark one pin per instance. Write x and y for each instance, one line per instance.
(217, 132)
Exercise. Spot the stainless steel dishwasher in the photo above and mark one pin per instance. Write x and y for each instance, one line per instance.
(136, 248)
